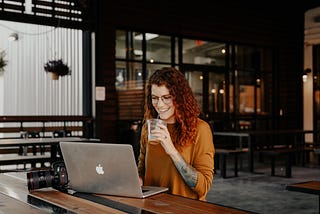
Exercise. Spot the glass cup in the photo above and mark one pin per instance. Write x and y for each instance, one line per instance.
(152, 125)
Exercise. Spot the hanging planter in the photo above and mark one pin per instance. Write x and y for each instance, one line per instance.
(54, 75)
(56, 68)
(3, 62)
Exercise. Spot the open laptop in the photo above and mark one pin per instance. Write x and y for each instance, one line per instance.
(104, 168)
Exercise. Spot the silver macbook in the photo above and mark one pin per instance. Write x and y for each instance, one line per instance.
(104, 168)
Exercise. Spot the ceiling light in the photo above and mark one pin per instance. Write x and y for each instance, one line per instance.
(305, 74)
(13, 37)
(304, 77)
(137, 52)
(149, 36)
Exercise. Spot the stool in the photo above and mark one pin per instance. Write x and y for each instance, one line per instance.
(286, 152)
(222, 160)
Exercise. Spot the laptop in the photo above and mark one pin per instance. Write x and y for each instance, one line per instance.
(104, 168)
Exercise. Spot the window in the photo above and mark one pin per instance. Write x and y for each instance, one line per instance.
(203, 52)
(225, 78)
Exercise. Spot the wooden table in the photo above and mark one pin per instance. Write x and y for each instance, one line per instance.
(251, 134)
(311, 187)
(11, 205)
(14, 185)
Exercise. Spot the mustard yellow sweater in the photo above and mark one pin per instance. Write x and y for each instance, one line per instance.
(157, 169)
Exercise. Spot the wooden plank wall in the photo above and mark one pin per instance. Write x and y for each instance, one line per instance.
(130, 104)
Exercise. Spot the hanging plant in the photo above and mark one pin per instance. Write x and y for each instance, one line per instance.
(56, 68)
(3, 62)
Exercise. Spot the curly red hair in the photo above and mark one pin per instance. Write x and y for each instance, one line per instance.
(187, 109)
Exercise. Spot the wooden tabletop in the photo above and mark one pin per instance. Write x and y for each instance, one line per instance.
(160, 203)
(311, 187)
(164, 202)
(12, 205)
(71, 203)
(14, 185)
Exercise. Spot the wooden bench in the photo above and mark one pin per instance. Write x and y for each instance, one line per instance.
(288, 153)
(221, 160)
(316, 149)
(46, 125)
(29, 159)
(16, 150)
(12, 127)
(317, 152)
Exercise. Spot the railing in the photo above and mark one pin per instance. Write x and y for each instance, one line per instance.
(12, 126)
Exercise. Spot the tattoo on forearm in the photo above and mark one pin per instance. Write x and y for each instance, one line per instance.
(188, 173)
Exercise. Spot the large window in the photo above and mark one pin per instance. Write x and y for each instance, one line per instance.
(227, 79)
(250, 73)
(217, 90)
(138, 55)
(200, 52)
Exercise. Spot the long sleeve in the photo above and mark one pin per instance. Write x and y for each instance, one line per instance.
(203, 158)
(157, 168)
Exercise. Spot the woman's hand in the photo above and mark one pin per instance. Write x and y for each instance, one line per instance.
(162, 134)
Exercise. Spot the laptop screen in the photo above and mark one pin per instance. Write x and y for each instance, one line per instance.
(102, 168)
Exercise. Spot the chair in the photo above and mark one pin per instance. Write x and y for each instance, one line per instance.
(34, 134)
(23, 150)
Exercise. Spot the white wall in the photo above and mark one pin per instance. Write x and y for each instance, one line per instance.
(25, 88)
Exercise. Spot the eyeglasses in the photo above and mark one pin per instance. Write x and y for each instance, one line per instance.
(166, 99)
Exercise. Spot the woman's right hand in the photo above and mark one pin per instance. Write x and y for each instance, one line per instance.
(164, 137)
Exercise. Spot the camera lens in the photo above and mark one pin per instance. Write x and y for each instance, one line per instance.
(39, 179)
(56, 177)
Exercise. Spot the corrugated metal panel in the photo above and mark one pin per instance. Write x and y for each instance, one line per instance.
(27, 88)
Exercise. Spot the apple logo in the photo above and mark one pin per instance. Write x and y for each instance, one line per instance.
(99, 169)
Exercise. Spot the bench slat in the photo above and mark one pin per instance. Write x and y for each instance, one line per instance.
(11, 160)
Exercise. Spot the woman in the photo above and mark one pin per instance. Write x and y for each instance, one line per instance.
(183, 160)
